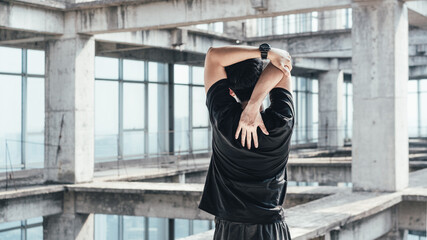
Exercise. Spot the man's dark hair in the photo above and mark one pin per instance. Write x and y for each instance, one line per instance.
(243, 76)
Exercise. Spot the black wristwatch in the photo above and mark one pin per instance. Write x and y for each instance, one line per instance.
(264, 48)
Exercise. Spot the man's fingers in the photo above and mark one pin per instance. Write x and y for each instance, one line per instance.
(254, 134)
(243, 137)
(239, 128)
(249, 139)
(263, 129)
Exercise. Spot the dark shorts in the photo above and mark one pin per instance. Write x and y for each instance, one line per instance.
(226, 230)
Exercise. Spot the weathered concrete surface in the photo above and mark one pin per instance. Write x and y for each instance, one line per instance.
(380, 73)
(417, 13)
(31, 19)
(27, 203)
(166, 199)
(331, 121)
(371, 227)
(69, 94)
(68, 225)
(193, 42)
(147, 16)
(412, 215)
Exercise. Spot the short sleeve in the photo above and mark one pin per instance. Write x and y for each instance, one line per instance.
(219, 100)
(281, 110)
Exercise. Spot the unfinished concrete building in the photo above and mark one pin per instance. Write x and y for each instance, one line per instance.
(104, 132)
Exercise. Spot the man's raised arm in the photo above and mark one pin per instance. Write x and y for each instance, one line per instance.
(217, 58)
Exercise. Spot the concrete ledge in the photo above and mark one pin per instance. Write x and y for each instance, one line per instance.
(32, 202)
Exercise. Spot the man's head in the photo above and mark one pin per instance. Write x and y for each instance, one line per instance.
(243, 76)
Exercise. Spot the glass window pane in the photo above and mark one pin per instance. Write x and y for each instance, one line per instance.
(182, 228)
(12, 234)
(157, 120)
(350, 110)
(423, 85)
(181, 118)
(200, 111)
(10, 123)
(36, 60)
(6, 225)
(106, 68)
(106, 119)
(315, 86)
(133, 106)
(302, 84)
(157, 72)
(133, 144)
(35, 233)
(412, 85)
(157, 228)
(278, 25)
(133, 70)
(181, 73)
(413, 114)
(301, 116)
(198, 75)
(35, 123)
(35, 220)
(314, 22)
(106, 227)
(219, 27)
(200, 139)
(423, 114)
(133, 228)
(10, 60)
(292, 23)
(200, 226)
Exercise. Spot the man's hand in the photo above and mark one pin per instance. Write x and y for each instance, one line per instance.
(249, 122)
(281, 59)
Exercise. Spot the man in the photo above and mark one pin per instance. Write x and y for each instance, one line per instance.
(246, 186)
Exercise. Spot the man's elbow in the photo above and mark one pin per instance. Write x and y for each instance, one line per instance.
(211, 54)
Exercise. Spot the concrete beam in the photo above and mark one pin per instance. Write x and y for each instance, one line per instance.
(192, 42)
(29, 203)
(171, 200)
(337, 41)
(31, 19)
(417, 13)
(156, 15)
(159, 55)
(384, 222)
(412, 215)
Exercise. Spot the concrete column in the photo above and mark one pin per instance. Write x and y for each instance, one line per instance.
(235, 29)
(68, 225)
(380, 76)
(331, 124)
(69, 121)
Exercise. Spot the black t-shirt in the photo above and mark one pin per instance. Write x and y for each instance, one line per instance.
(245, 185)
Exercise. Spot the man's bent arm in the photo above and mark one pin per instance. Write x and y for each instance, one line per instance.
(219, 57)
(271, 77)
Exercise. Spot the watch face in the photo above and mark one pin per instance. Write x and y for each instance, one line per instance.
(264, 47)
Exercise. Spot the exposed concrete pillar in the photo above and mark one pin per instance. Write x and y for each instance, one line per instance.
(331, 124)
(380, 76)
(68, 225)
(69, 121)
(235, 29)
